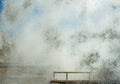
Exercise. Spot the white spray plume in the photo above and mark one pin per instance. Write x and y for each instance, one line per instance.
(67, 35)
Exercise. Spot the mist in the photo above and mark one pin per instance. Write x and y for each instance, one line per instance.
(61, 35)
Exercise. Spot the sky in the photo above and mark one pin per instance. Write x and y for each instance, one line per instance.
(63, 14)
(1, 5)
(66, 15)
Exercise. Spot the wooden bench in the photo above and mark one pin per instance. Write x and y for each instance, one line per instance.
(66, 80)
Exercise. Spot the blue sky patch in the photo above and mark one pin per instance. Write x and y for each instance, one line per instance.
(72, 22)
(37, 11)
(1, 5)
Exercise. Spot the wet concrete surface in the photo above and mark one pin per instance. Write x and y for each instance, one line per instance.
(23, 75)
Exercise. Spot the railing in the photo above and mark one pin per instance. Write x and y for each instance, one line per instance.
(67, 74)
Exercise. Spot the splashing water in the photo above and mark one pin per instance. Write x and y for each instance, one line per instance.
(71, 35)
